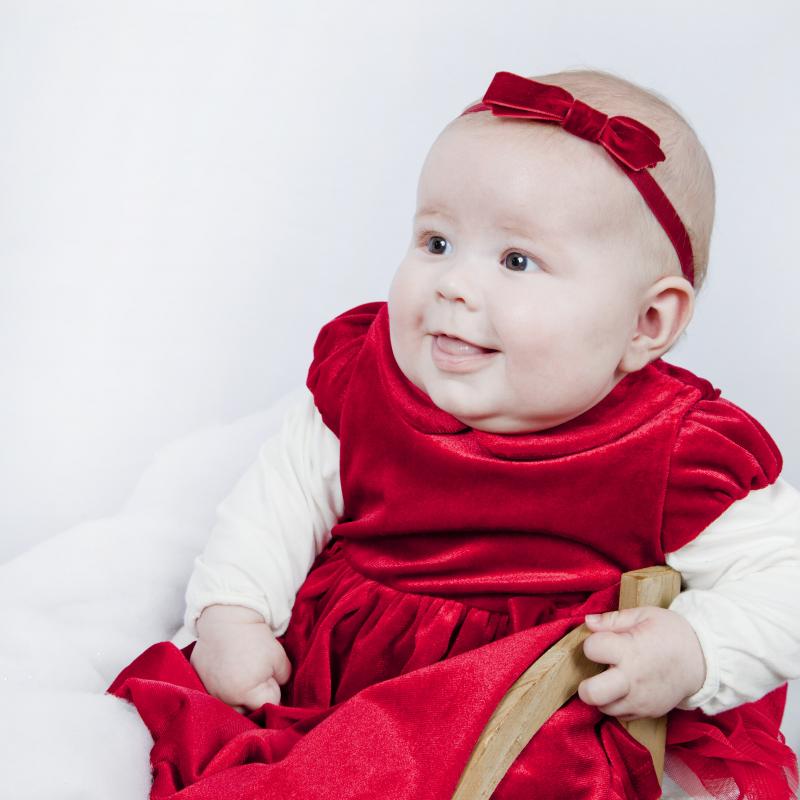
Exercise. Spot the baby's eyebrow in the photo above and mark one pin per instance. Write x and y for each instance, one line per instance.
(519, 228)
(430, 211)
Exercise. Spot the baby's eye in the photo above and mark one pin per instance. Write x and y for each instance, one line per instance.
(434, 244)
(518, 261)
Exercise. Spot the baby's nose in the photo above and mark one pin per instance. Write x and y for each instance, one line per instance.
(458, 284)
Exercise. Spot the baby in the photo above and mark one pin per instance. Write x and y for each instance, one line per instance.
(475, 463)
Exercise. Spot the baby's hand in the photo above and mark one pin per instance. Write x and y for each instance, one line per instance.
(655, 657)
(238, 658)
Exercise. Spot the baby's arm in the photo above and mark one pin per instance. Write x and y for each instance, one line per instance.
(268, 532)
(273, 524)
(742, 607)
(742, 599)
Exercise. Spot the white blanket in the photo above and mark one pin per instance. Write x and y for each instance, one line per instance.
(80, 606)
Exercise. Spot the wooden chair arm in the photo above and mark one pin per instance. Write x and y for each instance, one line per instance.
(550, 681)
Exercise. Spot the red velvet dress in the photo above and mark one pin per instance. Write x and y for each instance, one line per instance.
(461, 556)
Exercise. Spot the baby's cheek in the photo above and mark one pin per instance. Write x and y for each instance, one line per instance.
(408, 346)
(610, 319)
(537, 349)
(592, 345)
(534, 374)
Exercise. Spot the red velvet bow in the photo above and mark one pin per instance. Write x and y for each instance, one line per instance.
(634, 146)
(626, 139)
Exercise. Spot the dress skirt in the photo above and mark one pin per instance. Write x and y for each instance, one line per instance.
(388, 694)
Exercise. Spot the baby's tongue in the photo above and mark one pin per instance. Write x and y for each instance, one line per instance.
(457, 347)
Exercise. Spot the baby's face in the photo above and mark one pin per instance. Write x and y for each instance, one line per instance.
(522, 248)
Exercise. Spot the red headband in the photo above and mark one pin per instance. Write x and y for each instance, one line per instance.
(631, 144)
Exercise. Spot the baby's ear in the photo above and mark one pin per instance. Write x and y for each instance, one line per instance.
(665, 310)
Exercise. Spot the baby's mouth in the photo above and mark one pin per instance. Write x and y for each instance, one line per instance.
(451, 354)
(459, 347)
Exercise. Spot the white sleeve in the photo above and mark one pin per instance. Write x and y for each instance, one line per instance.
(273, 524)
(740, 593)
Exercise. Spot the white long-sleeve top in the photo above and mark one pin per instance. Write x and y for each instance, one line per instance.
(740, 575)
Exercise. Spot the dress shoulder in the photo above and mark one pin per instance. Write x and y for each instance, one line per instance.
(335, 351)
(720, 454)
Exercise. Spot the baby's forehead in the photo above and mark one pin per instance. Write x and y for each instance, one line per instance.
(526, 173)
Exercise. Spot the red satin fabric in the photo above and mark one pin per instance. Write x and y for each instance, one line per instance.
(460, 558)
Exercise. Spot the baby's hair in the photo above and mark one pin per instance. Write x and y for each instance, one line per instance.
(686, 176)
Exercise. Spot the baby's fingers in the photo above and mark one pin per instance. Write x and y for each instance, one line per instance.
(267, 692)
(605, 647)
(621, 620)
(282, 667)
(605, 688)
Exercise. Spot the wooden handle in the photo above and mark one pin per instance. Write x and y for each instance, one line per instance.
(549, 682)
(652, 586)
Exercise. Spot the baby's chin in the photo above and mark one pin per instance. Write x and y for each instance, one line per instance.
(501, 423)
(466, 405)
(471, 398)
(489, 415)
